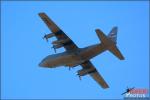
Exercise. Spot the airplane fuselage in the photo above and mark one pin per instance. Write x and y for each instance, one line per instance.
(72, 58)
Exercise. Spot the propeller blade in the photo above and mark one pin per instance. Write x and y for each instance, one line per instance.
(79, 76)
(69, 68)
(54, 48)
(45, 38)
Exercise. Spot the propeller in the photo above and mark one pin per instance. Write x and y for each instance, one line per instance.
(54, 48)
(45, 37)
(79, 76)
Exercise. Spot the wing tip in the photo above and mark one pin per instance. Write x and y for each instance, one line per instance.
(115, 27)
(41, 13)
(98, 30)
(122, 57)
(105, 86)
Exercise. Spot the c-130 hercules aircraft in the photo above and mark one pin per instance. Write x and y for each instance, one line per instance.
(74, 56)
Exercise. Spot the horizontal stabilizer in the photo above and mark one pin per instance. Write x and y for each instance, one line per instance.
(114, 50)
(101, 36)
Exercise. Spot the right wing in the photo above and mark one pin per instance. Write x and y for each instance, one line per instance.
(60, 35)
(95, 74)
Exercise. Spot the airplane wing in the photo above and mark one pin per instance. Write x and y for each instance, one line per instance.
(95, 74)
(60, 35)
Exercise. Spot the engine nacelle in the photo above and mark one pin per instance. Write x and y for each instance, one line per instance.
(57, 46)
(60, 41)
(83, 72)
(48, 35)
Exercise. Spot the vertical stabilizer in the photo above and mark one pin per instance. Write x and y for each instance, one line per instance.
(113, 34)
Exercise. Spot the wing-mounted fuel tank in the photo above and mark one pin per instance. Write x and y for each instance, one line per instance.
(85, 71)
(46, 36)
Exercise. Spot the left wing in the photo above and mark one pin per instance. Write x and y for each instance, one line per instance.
(62, 38)
(95, 74)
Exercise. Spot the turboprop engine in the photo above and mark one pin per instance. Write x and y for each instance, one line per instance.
(56, 46)
(59, 43)
(86, 71)
(46, 36)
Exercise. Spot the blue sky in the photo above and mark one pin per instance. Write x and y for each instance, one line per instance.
(22, 48)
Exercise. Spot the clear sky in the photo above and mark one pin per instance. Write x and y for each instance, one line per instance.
(22, 48)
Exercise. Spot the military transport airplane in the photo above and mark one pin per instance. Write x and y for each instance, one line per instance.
(74, 56)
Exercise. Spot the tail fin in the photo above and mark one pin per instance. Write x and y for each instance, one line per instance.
(113, 34)
(110, 42)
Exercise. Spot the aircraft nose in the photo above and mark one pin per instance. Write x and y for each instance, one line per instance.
(43, 64)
